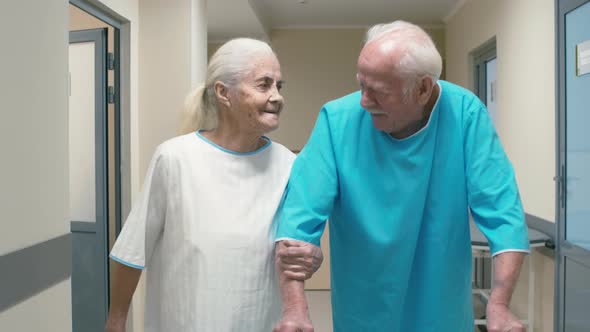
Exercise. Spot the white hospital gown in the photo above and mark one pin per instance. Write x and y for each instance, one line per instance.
(204, 227)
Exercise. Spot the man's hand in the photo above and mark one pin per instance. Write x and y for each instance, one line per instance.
(298, 259)
(500, 319)
(294, 321)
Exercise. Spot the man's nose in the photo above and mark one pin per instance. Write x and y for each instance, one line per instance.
(366, 99)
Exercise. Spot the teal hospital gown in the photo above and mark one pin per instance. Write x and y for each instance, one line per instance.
(398, 211)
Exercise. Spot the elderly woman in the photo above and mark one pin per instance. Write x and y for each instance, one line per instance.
(204, 223)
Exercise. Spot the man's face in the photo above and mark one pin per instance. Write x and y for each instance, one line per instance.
(392, 110)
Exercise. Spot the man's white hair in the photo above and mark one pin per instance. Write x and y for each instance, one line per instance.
(419, 57)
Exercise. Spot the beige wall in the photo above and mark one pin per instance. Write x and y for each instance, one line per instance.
(34, 195)
(165, 71)
(211, 48)
(318, 65)
(170, 44)
(524, 32)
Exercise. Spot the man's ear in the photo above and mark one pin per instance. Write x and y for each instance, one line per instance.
(425, 88)
(222, 94)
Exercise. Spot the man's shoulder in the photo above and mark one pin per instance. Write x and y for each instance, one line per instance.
(459, 98)
(349, 101)
(344, 108)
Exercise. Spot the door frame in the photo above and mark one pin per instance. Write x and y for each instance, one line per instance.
(563, 247)
(480, 56)
(122, 43)
(122, 108)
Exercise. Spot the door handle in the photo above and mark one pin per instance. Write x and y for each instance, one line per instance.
(561, 186)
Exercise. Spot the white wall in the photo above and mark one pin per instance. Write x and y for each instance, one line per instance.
(34, 110)
(47, 311)
(525, 38)
(34, 142)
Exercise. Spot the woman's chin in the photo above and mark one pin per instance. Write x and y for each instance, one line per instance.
(271, 127)
(270, 121)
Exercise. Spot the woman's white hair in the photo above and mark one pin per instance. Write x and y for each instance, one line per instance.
(229, 65)
(420, 57)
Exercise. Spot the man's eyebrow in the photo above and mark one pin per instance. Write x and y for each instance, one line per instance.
(265, 78)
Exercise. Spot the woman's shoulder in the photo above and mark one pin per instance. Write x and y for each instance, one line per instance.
(282, 151)
(176, 146)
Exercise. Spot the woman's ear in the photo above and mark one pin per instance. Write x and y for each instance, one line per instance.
(222, 94)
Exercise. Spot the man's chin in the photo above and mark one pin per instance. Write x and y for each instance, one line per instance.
(379, 124)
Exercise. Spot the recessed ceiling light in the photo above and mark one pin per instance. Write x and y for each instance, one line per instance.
(301, 2)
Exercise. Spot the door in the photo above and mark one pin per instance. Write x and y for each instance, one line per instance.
(89, 208)
(573, 262)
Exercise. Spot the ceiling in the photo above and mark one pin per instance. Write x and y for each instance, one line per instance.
(255, 18)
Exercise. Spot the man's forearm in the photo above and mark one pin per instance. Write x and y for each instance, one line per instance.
(507, 267)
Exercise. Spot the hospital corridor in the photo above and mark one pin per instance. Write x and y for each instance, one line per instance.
(173, 165)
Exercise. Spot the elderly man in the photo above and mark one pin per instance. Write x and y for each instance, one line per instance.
(397, 167)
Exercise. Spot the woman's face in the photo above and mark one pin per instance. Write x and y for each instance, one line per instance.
(256, 101)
